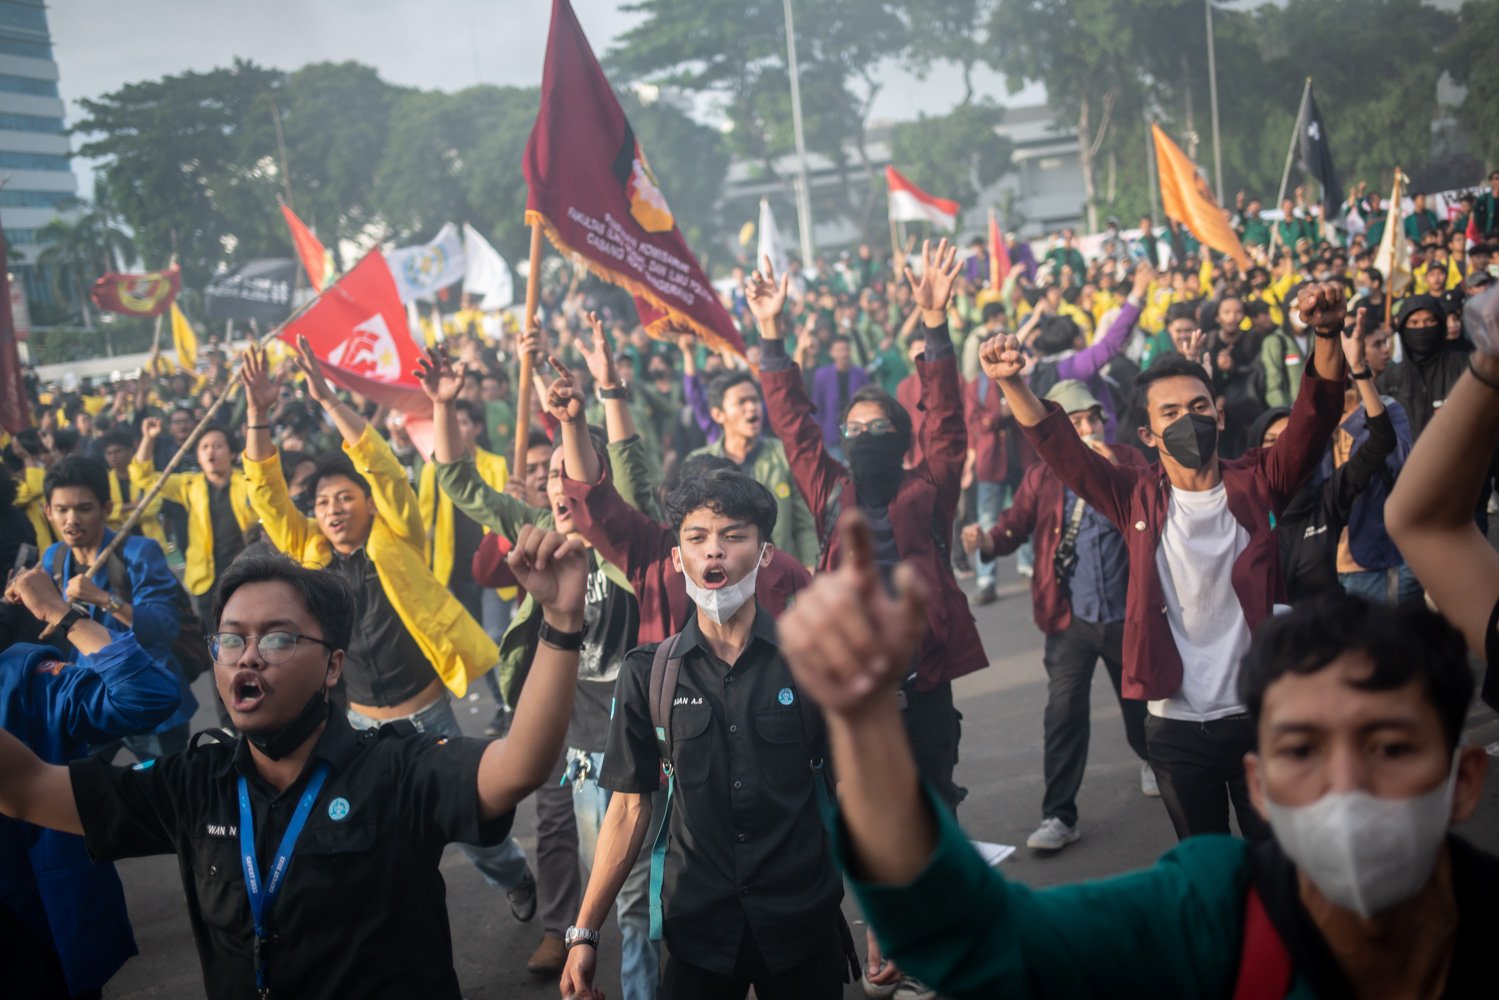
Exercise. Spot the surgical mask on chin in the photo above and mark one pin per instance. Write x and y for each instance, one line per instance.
(1363, 852)
(722, 604)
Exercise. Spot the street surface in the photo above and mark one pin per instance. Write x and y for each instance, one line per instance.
(1001, 766)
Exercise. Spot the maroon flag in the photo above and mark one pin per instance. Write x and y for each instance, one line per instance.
(15, 408)
(149, 294)
(595, 197)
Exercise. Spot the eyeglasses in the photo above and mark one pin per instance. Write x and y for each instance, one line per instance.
(854, 428)
(226, 648)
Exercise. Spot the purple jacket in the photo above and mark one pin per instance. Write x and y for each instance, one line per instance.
(696, 395)
(1086, 364)
(825, 399)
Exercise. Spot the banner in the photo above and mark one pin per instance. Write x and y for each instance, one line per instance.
(487, 275)
(592, 192)
(257, 291)
(420, 272)
(316, 260)
(15, 406)
(1393, 258)
(184, 340)
(908, 203)
(1186, 198)
(146, 294)
(358, 328)
(771, 244)
(1315, 154)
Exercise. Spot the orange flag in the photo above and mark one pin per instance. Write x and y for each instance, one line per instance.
(1187, 199)
(316, 259)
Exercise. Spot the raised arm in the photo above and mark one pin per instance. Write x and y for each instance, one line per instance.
(1091, 360)
(1319, 406)
(554, 571)
(619, 422)
(349, 423)
(1430, 513)
(143, 474)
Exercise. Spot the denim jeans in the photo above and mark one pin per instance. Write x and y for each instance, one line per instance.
(993, 500)
(1393, 586)
(504, 864)
(639, 959)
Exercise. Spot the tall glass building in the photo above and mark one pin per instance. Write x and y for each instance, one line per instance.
(34, 156)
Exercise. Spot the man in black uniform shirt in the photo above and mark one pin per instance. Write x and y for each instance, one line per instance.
(309, 850)
(750, 894)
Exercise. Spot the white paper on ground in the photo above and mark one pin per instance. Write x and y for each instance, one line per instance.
(992, 854)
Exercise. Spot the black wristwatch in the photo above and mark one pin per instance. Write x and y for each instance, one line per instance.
(568, 642)
(1365, 375)
(75, 614)
(580, 935)
(618, 392)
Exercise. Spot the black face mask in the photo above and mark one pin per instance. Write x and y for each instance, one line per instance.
(1424, 344)
(1191, 439)
(280, 742)
(875, 462)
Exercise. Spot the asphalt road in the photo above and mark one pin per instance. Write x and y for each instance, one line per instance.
(1001, 766)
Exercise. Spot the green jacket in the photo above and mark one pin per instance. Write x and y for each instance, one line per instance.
(1172, 930)
(1283, 361)
(505, 515)
(795, 532)
(1255, 233)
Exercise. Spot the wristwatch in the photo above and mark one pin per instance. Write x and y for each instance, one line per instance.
(617, 392)
(1364, 375)
(74, 615)
(113, 605)
(580, 935)
(556, 638)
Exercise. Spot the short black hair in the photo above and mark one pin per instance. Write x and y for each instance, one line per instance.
(7, 496)
(1404, 643)
(474, 411)
(1058, 333)
(993, 309)
(537, 438)
(30, 441)
(290, 459)
(121, 435)
(333, 465)
(325, 595)
(78, 470)
(720, 386)
(216, 428)
(1166, 366)
(1181, 310)
(64, 441)
(727, 493)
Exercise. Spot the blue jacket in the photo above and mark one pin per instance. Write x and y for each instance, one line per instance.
(153, 596)
(46, 878)
(1368, 541)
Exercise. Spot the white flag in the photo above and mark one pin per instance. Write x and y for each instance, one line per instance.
(1394, 256)
(770, 242)
(420, 271)
(488, 276)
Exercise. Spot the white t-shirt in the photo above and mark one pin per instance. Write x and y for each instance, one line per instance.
(1195, 560)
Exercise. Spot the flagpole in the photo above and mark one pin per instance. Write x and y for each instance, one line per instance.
(803, 192)
(1389, 288)
(523, 391)
(1285, 176)
(1213, 102)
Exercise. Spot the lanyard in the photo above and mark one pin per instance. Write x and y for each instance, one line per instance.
(262, 897)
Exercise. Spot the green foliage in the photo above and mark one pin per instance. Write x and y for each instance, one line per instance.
(1471, 58)
(945, 154)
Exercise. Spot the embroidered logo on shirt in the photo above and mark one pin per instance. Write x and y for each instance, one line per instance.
(785, 697)
(783, 490)
(53, 667)
(338, 809)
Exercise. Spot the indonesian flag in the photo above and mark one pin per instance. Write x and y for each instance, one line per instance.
(358, 329)
(146, 294)
(592, 191)
(908, 203)
(999, 255)
(316, 260)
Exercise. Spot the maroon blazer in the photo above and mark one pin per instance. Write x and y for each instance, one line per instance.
(989, 428)
(1136, 500)
(1039, 513)
(925, 503)
(641, 548)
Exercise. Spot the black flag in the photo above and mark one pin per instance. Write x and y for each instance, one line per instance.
(1315, 151)
(258, 290)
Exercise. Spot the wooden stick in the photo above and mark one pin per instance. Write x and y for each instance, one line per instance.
(523, 389)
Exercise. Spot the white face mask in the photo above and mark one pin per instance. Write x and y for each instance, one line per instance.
(1362, 852)
(720, 605)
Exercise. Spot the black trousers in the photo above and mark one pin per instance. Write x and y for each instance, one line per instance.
(1200, 768)
(934, 728)
(819, 977)
(1070, 658)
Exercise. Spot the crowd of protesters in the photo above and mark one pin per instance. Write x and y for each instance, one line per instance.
(720, 605)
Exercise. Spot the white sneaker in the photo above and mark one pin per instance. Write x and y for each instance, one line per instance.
(1052, 835)
(877, 991)
(913, 989)
(1148, 786)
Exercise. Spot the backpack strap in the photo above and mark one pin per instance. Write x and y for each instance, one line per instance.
(1264, 963)
(666, 666)
(119, 578)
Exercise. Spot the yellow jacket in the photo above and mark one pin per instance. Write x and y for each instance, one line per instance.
(452, 641)
(29, 495)
(437, 510)
(190, 489)
(150, 523)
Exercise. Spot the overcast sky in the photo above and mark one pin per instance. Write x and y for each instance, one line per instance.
(432, 44)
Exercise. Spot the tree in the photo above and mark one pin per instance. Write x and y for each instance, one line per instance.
(955, 155)
(1470, 57)
(82, 243)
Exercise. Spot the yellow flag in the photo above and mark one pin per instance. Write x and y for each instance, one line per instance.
(1187, 199)
(184, 340)
(1393, 260)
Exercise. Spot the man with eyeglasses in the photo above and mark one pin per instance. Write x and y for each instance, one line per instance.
(310, 850)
